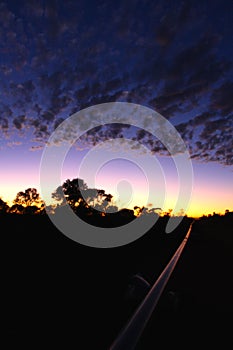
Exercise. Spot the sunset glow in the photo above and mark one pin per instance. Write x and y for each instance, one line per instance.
(212, 188)
(175, 59)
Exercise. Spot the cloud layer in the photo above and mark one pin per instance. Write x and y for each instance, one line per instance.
(57, 58)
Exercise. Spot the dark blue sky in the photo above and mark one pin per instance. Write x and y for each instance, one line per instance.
(57, 57)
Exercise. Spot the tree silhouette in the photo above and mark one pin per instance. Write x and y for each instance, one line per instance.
(3, 207)
(17, 209)
(83, 200)
(70, 191)
(28, 202)
(58, 195)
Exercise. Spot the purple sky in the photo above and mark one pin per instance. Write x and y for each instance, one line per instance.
(175, 57)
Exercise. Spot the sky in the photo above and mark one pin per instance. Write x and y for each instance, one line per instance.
(175, 57)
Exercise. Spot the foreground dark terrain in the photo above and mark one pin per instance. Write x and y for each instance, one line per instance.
(201, 311)
(56, 290)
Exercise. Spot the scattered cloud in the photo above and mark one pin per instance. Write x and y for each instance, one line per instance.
(57, 59)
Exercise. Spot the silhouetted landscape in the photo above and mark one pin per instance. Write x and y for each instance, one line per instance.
(116, 116)
(55, 288)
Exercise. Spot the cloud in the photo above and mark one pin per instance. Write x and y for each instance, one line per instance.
(210, 138)
(221, 98)
(14, 143)
(47, 116)
(36, 148)
(60, 58)
(18, 121)
(4, 124)
(202, 118)
(172, 23)
(6, 16)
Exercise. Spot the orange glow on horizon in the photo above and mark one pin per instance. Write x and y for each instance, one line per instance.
(210, 202)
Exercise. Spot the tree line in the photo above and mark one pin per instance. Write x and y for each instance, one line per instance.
(84, 201)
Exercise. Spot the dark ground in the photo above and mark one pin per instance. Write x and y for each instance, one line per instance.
(58, 292)
(203, 283)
